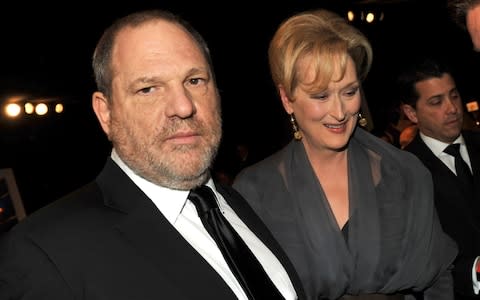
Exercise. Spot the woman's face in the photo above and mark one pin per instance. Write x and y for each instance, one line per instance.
(326, 118)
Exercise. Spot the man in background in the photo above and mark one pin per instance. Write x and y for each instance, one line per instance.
(431, 100)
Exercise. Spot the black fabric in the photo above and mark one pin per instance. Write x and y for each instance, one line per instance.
(458, 208)
(461, 167)
(242, 262)
(109, 241)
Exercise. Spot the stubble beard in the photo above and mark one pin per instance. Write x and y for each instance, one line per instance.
(180, 167)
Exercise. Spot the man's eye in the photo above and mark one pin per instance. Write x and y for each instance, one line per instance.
(196, 81)
(146, 90)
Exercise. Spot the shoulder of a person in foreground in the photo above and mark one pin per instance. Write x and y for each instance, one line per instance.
(58, 216)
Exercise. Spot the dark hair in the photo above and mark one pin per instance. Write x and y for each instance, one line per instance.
(102, 56)
(418, 70)
(458, 10)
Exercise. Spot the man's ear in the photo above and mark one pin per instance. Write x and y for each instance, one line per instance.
(101, 107)
(410, 112)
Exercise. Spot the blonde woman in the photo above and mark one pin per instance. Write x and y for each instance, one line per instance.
(355, 214)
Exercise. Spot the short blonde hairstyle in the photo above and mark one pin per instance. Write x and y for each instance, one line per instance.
(324, 36)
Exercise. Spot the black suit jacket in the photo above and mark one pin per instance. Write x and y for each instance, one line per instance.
(109, 241)
(458, 210)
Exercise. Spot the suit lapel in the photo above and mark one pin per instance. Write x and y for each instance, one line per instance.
(421, 150)
(251, 219)
(473, 147)
(154, 238)
(442, 175)
(159, 242)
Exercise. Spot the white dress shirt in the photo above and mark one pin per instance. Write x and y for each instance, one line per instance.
(437, 148)
(182, 214)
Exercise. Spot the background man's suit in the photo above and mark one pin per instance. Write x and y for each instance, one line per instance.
(117, 246)
(458, 210)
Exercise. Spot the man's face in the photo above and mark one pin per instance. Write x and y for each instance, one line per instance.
(163, 117)
(439, 110)
(473, 26)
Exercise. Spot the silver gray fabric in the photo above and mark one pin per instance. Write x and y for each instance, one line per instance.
(395, 241)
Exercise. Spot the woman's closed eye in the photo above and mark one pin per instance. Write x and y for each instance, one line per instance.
(320, 96)
(352, 91)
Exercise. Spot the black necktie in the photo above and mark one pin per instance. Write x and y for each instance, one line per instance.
(242, 262)
(461, 167)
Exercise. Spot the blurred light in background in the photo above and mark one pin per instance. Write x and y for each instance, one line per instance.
(370, 17)
(363, 16)
(350, 15)
(12, 110)
(41, 109)
(472, 108)
(29, 108)
(18, 106)
(59, 108)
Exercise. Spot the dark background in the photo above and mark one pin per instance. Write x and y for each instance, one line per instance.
(46, 48)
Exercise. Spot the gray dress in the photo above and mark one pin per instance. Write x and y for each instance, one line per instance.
(395, 243)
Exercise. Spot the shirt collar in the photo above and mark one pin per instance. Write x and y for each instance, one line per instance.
(437, 146)
(170, 202)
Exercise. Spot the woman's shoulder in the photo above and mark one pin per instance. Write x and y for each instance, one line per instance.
(265, 172)
(267, 164)
(388, 153)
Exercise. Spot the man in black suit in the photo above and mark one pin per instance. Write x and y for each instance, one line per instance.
(430, 99)
(132, 233)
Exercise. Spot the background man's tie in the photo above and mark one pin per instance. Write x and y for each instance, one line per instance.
(461, 167)
(242, 262)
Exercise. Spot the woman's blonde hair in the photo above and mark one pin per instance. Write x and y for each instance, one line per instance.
(324, 36)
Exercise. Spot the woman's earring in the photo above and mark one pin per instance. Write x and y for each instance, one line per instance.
(362, 121)
(296, 133)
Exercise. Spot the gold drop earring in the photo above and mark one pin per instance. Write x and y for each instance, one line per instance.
(296, 133)
(362, 121)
